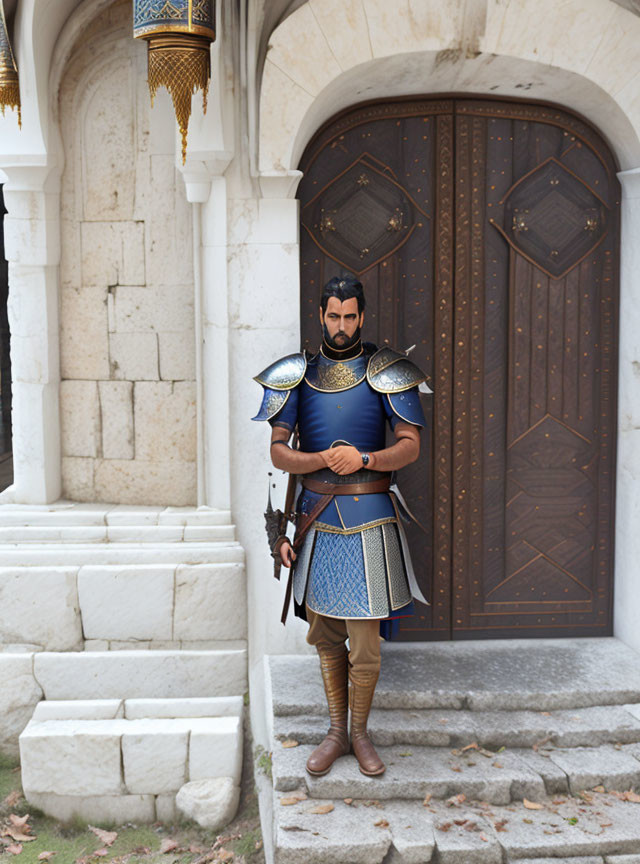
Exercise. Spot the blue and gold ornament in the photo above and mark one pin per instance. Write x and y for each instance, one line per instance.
(9, 86)
(179, 33)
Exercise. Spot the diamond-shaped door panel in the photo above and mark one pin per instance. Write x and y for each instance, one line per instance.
(553, 218)
(361, 217)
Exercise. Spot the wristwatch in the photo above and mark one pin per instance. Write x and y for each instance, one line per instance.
(365, 459)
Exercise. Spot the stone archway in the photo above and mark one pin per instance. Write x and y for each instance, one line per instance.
(323, 59)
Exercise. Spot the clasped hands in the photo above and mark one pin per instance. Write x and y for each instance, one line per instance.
(343, 459)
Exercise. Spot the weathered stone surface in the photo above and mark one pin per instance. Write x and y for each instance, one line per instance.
(113, 253)
(166, 810)
(84, 343)
(77, 478)
(177, 356)
(215, 748)
(287, 766)
(134, 356)
(18, 696)
(572, 828)
(412, 832)
(126, 602)
(141, 674)
(78, 709)
(490, 729)
(545, 675)
(581, 860)
(202, 591)
(588, 767)
(622, 859)
(423, 770)
(40, 605)
(136, 481)
(211, 803)
(345, 834)
(80, 418)
(116, 809)
(221, 706)
(154, 756)
(165, 421)
(555, 779)
(116, 413)
(462, 835)
(71, 757)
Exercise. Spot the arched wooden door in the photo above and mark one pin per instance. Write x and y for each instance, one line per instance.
(486, 234)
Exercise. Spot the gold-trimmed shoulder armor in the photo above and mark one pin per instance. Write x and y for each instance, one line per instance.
(284, 374)
(391, 371)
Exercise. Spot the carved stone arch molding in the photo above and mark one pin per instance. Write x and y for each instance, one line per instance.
(325, 57)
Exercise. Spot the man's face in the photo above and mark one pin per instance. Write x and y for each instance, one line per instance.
(341, 320)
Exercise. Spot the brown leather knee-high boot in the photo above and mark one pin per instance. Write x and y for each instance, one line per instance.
(333, 665)
(363, 685)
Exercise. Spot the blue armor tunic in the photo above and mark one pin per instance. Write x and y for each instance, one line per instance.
(354, 562)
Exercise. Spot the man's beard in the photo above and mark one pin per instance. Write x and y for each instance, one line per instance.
(344, 344)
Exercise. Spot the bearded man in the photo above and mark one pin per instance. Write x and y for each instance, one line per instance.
(350, 559)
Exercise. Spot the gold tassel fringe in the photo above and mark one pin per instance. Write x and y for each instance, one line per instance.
(10, 95)
(181, 64)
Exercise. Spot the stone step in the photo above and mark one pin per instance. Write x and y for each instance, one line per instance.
(597, 828)
(142, 674)
(116, 533)
(578, 727)
(78, 554)
(75, 751)
(512, 774)
(68, 514)
(509, 675)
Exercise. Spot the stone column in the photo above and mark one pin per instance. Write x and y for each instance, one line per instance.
(207, 192)
(627, 538)
(32, 248)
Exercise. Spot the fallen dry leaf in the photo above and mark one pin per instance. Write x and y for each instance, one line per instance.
(456, 768)
(19, 821)
(456, 800)
(381, 823)
(101, 853)
(14, 848)
(290, 742)
(321, 808)
(348, 800)
(18, 836)
(44, 856)
(541, 743)
(225, 855)
(497, 764)
(168, 845)
(532, 805)
(473, 746)
(444, 826)
(499, 826)
(598, 788)
(107, 837)
(484, 838)
(12, 798)
(427, 799)
(287, 802)
(630, 795)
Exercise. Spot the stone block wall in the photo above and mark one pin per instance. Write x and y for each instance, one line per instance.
(127, 396)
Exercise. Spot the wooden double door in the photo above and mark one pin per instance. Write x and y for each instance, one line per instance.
(486, 234)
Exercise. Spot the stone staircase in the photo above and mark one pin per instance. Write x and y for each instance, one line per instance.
(120, 624)
(493, 752)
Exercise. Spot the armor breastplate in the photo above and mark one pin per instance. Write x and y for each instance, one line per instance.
(337, 403)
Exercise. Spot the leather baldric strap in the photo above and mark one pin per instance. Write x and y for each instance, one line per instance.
(322, 488)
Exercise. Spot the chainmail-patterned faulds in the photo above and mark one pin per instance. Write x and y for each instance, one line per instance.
(179, 33)
(9, 85)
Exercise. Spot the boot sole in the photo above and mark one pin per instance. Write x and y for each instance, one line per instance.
(373, 773)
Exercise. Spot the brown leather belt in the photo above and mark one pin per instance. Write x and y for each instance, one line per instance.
(323, 488)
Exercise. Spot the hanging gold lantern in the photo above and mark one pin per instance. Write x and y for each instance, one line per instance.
(9, 86)
(179, 33)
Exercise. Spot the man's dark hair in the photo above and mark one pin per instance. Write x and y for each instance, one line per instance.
(343, 287)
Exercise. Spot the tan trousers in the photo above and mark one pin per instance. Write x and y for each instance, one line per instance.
(363, 635)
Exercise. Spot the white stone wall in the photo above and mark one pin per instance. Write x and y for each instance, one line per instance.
(127, 398)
